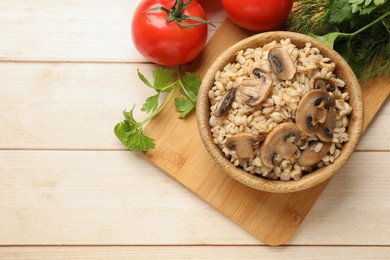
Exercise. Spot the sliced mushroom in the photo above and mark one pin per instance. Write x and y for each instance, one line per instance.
(226, 103)
(316, 115)
(243, 143)
(325, 131)
(313, 153)
(309, 115)
(324, 84)
(276, 144)
(281, 63)
(259, 72)
(256, 90)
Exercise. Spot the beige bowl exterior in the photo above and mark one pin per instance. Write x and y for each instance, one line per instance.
(342, 70)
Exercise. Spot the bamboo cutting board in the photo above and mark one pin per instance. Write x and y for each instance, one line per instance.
(272, 218)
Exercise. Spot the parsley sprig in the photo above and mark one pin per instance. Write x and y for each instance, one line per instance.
(130, 131)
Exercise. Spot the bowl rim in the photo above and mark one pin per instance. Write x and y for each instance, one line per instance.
(309, 180)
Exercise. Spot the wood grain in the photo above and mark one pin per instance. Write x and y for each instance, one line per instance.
(193, 252)
(375, 95)
(93, 31)
(106, 197)
(272, 218)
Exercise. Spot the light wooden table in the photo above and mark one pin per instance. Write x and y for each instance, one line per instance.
(69, 189)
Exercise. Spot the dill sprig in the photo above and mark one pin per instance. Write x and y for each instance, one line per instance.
(358, 30)
(310, 16)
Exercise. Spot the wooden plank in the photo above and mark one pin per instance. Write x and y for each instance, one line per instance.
(351, 192)
(375, 94)
(385, 109)
(116, 197)
(74, 30)
(75, 106)
(273, 218)
(67, 106)
(100, 197)
(194, 252)
(377, 135)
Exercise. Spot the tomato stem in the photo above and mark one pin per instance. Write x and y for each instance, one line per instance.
(178, 9)
(176, 13)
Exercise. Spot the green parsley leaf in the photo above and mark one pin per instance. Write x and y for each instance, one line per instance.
(184, 106)
(161, 79)
(379, 2)
(130, 133)
(367, 2)
(347, 53)
(356, 2)
(190, 86)
(144, 80)
(365, 6)
(368, 10)
(327, 39)
(356, 5)
(130, 118)
(139, 141)
(340, 11)
(151, 104)
(121, 130)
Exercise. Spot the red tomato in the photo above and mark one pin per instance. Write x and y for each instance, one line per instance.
(167, 43)
(258, 15)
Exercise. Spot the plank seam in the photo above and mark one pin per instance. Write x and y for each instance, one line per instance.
(195, 245)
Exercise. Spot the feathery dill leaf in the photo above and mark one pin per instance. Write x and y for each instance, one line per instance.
(368, 51)
(310, 16)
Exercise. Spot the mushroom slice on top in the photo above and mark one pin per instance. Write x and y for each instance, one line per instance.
(277, 144)
(324, 84)
(316, 115)
(313, 153)
(242, 143)
(325, 131)
(281, 63)
(256, 90)
(226, 103)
